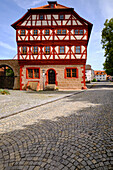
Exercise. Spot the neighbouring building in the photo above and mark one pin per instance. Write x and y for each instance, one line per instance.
(52, 42)
(89, 73)
(100, 75)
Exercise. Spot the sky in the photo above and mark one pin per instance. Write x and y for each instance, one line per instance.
(94, 11)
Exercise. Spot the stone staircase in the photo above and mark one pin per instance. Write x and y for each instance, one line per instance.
(51, 87)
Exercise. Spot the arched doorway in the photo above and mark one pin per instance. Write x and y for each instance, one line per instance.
(6, 77)
(51, 76)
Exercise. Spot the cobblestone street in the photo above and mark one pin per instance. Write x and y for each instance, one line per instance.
(73, 133)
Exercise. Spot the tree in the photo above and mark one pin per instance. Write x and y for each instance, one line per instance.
(9, 72)
(107, 45)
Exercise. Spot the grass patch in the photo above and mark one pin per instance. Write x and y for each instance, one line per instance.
(3, 91)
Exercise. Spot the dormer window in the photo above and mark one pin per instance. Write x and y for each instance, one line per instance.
(52, 5)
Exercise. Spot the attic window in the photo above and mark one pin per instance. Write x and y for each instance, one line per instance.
(52, 5)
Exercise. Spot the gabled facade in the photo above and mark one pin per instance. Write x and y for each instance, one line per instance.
(52, 39)
(100, 75)
(89, 73)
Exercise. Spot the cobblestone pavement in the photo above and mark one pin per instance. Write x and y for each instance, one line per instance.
(21, 100)
(75, 133)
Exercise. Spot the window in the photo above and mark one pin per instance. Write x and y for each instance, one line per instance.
(58, 31)
(35, 50)
(81, 32)
(71, 73)
(35, 32)
(61, 31)
(76, 31)
(47, 50)
(61, 16)
(46, 32)
(41, 17)
(61, 49)
(52, 5)
(33, 73)
(77, 49)
(22, 32)
(24, 50)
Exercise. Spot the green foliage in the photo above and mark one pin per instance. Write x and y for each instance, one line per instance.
(107, 45)
(9, 72)
(94, 80)
(3, 91)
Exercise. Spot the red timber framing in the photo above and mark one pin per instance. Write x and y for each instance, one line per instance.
(52, 35)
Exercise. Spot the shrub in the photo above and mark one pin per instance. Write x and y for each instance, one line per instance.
(94, 80)
(3, 91)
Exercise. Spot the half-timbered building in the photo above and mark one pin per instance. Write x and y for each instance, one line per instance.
(52, 47)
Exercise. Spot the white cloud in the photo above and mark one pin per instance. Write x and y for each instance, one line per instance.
(26, 4)
(106, 8)
(7, 46)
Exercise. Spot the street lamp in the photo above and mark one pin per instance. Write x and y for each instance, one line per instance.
(43, 73)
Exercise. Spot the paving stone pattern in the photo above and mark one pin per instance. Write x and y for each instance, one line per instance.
(75, 133)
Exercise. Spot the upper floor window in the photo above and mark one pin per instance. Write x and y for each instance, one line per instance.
(63, 31)
(22, 32)
(61, 16)
(47, 32)
(35, 32)
(81, 32)
(77, 49)
(35, 50)
(47, 50)
(62, 49)
(58, 31)
(76, 31)
(24, 50)
(41, 17)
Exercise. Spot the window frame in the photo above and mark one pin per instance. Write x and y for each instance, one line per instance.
(63, 50)
(52, 6)
(34, 50)
(24, 33)
(61, 30)
(40, 17)
(46, 32)
(47, 53)
(24, 51)
(60, 17)
(34, 32)
(77, 49)
(32, 68)
(78, 30)
(71, 77)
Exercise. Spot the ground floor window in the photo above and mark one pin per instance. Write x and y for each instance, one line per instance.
(33, 73)
(71, 73)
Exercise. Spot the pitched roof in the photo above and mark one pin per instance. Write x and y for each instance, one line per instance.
(57, 6)
(99, 72)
